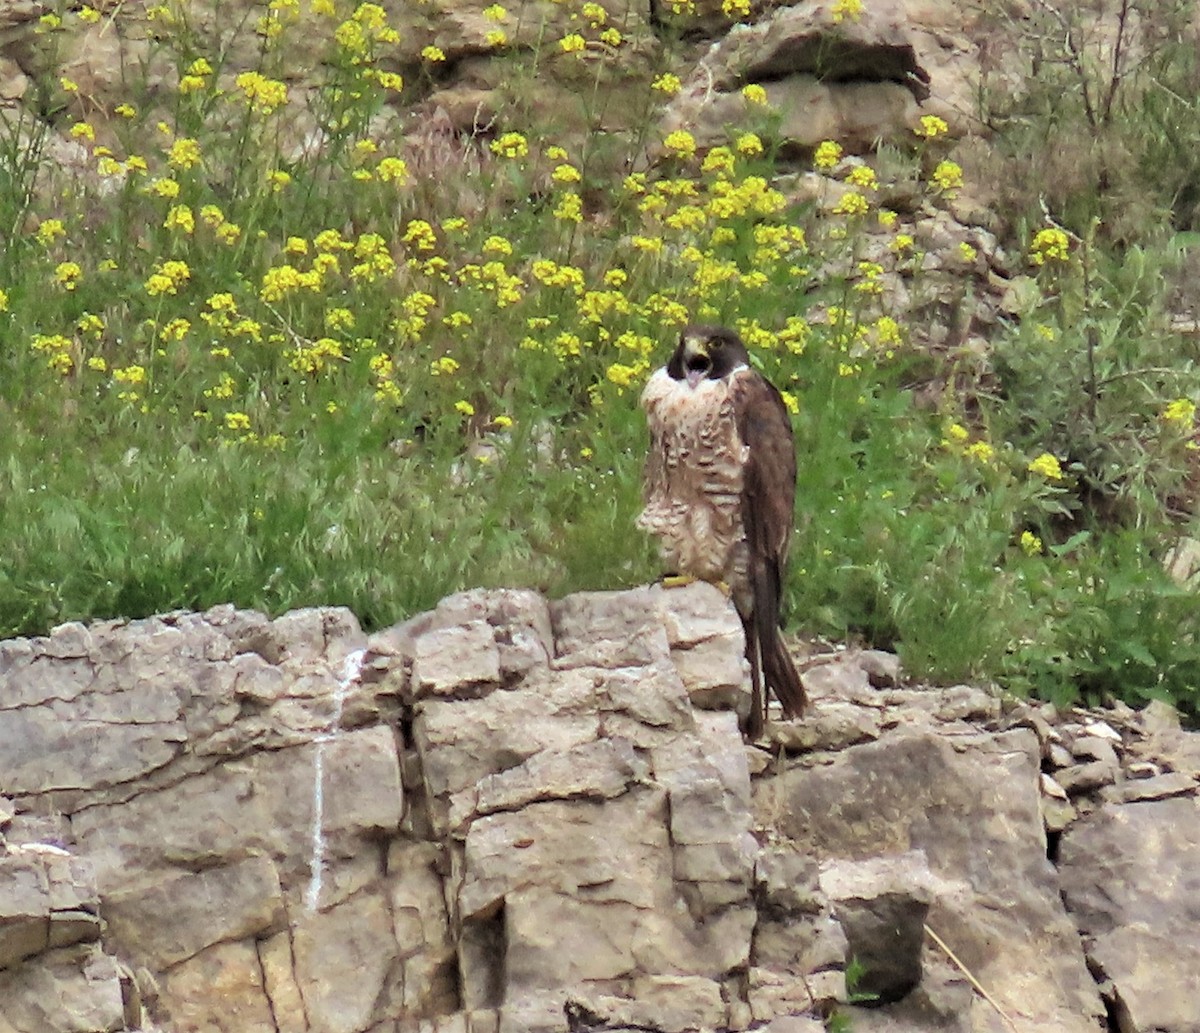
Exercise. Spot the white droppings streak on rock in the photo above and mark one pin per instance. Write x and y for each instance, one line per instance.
(350, 673)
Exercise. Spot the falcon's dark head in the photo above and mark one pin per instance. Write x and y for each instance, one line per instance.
(706, 353)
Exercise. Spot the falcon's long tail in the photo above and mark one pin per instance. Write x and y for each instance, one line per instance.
(779, 673)
(771, 666)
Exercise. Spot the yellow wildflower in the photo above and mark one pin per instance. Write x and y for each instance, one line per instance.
(754, 93)
(863, 176)
(419, 234)
(749, 144)
(262, 94)
(129, 375)
(566, 173)
(67, 274)
(180, 218)
(1049, 245)
(570, 208)
(851, 203)
(184, 153)
(947, 176)
(165, 187)
(931, 126)
(50, 230)
(827, 155)
(433, 54)
(667, 83)
(681, 143)
(176, 330)
(572, 43)
(843, 9)
(1181, 411)
(980, 451)
(392, 170)
(1031, 544)
(1047, 466)
(719, 160)
(510, 145)
(464, 407)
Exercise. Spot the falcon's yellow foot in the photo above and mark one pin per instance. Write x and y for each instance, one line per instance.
(683, 580)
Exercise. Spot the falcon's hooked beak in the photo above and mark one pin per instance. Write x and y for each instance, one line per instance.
(696, 361)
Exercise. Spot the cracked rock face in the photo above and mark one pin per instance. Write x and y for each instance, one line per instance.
(510, 814)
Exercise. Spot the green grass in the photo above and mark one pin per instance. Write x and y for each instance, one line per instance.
(281, 378)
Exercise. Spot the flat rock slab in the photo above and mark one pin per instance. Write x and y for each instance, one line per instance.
(1131, 879)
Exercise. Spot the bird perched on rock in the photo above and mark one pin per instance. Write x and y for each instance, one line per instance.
(720, 487)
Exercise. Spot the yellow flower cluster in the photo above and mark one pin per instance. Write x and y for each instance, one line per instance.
(1046, 465)
(843, 9)
(1050, 245)
(1180, 412)
(263, 95)
(948, 176)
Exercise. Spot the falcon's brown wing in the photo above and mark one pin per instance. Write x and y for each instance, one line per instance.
(768, 503)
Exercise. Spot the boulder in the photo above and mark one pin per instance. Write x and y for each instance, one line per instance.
(1131, 880)
(972, 810)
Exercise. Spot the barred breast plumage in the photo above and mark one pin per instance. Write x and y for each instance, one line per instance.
(694, 478)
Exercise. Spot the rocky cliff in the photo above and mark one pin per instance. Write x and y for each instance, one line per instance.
(514, 815)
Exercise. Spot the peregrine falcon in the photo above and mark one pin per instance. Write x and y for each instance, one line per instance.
(720, 487)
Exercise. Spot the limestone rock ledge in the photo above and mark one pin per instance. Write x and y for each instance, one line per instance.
(512, 815)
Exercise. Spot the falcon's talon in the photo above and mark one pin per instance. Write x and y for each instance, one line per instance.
(678, 580)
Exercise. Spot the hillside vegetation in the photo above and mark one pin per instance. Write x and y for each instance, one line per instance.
(371, 369)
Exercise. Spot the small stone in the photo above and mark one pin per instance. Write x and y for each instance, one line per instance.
(1060, 756)
(1102, 730)
(882, 669)
(1057, 814)
(1094, 747)
(838, 679)
(456, 660)
(829, 725)
(1052, 789)
(1083, 778)
(1158, 716)
(882, 905)
(1158, 787)
(1142, 769)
